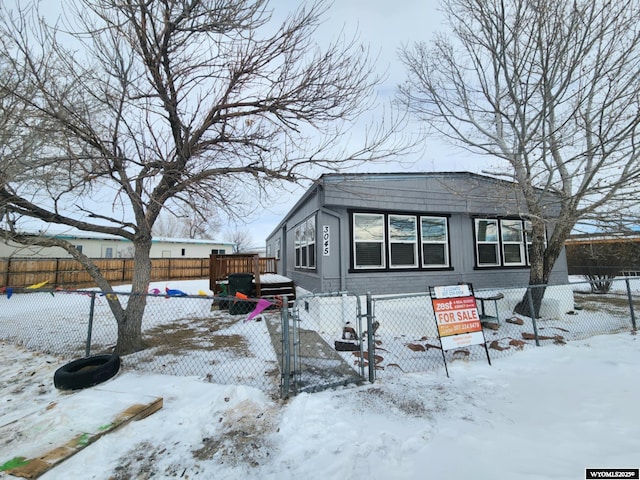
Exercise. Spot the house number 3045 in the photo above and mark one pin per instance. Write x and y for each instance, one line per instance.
(325, 240)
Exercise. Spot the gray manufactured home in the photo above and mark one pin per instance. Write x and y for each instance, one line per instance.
(401, 233)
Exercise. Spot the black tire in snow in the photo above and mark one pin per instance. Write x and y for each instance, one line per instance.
(86, 372)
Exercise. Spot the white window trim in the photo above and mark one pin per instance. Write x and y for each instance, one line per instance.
(302, 244)
(445, 243)
(297, 248)
(311, 240)
(496, 244)
(521, 243)
(524, 244)
(404, 242)
(529, 241)
(383, 253)
(386, 242)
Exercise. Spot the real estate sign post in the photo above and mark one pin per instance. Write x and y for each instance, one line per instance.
(457, 318)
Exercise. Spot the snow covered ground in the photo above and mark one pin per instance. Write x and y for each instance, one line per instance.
(540, 413)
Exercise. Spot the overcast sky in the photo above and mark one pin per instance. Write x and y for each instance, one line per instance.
(385, 26)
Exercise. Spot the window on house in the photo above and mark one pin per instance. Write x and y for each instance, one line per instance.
(298, 244)
(487, 243)
(78, 247)
(513, 246)
(278, 249)
(107, 252)
(528, 238)
(368, 240)
(505, 242)
(310, 238)
(413, 241)
(305, 244)
(402, 241)
(183, 252)
(435, 241)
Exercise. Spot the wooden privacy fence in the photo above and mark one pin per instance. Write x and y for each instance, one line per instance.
(221, 266)
(69, 273)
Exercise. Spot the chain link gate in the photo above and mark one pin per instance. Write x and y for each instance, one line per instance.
(185, 336)
(323, 343)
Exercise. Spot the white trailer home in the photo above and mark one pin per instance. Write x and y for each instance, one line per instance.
(109, 246)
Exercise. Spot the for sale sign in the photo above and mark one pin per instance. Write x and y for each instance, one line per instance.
(457, 318)
(456, 315)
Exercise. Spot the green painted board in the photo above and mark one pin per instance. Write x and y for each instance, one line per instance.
(47, 437)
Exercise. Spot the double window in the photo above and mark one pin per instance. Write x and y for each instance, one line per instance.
(305, 244)
(502, 242)
(399, 241)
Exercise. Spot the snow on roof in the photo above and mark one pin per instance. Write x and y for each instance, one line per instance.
(75, 234)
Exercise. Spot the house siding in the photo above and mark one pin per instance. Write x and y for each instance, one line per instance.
(436, 193)
(460, 197)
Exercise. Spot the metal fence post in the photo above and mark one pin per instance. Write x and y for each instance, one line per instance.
(371, 347)
(286, 356)
(87, 350)
(532, 312)
(629, 296)
(295, 344)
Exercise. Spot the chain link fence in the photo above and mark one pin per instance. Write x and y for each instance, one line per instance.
(183, 335)
(407, 336)
(323, 341)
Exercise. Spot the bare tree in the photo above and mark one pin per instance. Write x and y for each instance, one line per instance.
(241, 239)
(551, 89)
(169, 225)
(192, 102)
(185, 223)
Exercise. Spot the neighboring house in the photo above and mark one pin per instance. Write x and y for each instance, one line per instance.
(401, 233)
(260, 251)
(96, 245)
(604, 253)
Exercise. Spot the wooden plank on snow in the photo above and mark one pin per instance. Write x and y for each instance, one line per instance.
(51, 435)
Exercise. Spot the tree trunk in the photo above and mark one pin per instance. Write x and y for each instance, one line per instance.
(531, 303)
(542, 260)
(130, 325)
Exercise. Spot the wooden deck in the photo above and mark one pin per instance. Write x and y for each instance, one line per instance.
(267, 283)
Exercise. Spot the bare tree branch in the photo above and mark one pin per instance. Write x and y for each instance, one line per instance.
(143, 104)
(552, 89)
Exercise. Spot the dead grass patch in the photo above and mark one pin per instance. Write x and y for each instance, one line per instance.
(243, 436)
(190, 334)
(382, 401)
(598, 302)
